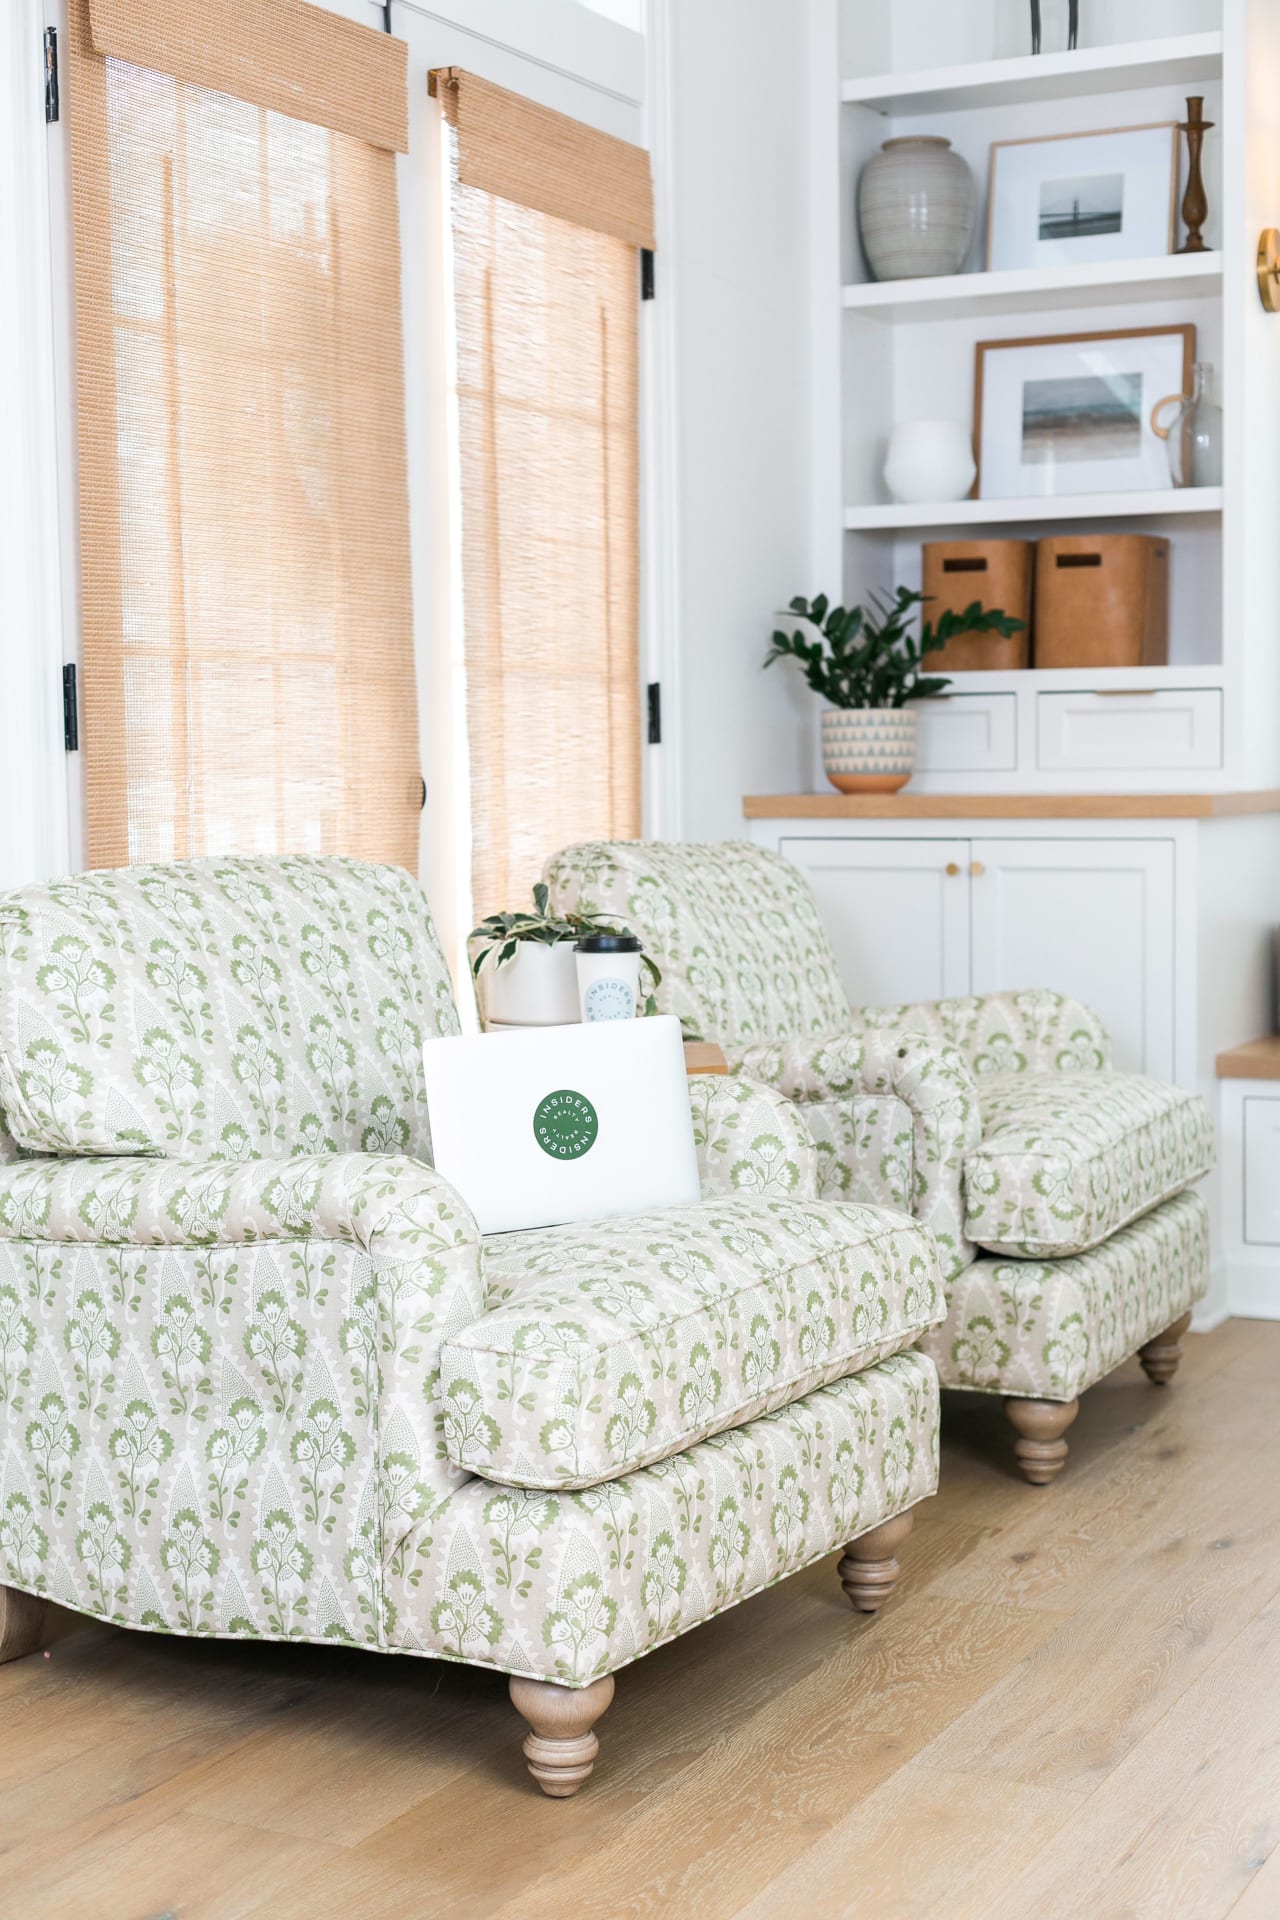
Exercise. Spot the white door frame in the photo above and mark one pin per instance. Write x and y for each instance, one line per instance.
(35, 832)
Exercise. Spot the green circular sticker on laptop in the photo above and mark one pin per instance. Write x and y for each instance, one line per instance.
(565, 1124)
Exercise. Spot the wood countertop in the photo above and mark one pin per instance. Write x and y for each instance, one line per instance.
(1008, 806)
(1255, 1060)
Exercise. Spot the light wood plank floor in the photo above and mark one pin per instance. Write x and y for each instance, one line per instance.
(1070, 1709)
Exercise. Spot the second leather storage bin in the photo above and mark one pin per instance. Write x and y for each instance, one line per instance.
(997, 572)
(1102, 600)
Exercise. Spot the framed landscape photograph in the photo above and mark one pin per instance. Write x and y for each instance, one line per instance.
(1083, 197)
(1071, 413)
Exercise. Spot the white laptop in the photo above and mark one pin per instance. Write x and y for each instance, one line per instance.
(553, 1124)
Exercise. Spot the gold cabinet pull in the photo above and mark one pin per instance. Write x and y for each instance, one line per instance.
(977, 869)
(952, 868)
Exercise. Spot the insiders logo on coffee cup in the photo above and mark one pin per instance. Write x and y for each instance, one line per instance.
(608, 976)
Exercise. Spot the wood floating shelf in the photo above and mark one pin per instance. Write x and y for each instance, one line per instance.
(1075, 506)
(1178, 60)
(1037, 289)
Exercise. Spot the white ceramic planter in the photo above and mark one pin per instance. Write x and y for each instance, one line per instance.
(916, 207)
(869, 749)
(537, 988)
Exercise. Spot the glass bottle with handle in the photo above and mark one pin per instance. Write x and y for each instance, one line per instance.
(1193, 433)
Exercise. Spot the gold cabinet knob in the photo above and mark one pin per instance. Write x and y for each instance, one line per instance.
(952, 868)
(977, 869)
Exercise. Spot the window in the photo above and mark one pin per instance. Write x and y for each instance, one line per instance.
(546, 218)
(248, 665)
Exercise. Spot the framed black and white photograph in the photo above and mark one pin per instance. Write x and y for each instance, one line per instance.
(1083, 197)
(1071, 413)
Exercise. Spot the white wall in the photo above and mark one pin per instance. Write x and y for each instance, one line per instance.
(735, 261)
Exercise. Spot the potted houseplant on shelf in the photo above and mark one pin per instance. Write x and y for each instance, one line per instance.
(524, 967)
(865, 662)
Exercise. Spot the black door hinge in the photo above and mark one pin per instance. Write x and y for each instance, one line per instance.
(646, 273)
(50, 74)
(655, 713)
(70, 709)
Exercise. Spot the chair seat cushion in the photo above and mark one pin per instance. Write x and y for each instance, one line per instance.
(1068, 1158)
(1047, 1329)
(613, 1345)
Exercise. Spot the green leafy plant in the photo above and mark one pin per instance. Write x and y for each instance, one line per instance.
(867, 656)
(498, 937)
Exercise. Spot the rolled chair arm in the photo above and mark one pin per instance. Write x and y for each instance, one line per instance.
(843, 1083)
(421, 1242)
(750, 1139)
(397, 1207)
(1035, 1031)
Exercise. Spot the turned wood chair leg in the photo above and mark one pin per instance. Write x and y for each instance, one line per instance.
(869, 1570)
(1160, 1356)
(561, 1750)
(21, 1623)
(1040, 1449)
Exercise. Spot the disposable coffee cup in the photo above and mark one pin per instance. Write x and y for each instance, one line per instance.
(608, 976)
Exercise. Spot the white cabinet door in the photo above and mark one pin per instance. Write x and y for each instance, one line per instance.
(1093, 918)
(897, 912)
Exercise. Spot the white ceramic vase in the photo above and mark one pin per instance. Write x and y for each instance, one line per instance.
(538, 987)
(869, 749)
(916, 208)
(929, 460)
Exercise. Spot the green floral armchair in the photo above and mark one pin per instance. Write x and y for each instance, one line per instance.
(1057, 1190)
(260, 1374)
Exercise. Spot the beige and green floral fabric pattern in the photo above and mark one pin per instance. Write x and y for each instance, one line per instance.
(1067, 1159)
(734, 930)
(606, 1347)
(219, 1387)
(221, 1010)
(750, 1140)
(1030, 1032)
(219, 1408)
(1047, 1329)
(893, 1116)
(567, 1586)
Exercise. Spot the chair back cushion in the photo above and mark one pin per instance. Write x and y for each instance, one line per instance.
(735, 931)
(220, 1009)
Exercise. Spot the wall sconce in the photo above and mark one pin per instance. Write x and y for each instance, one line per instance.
(1269, 268)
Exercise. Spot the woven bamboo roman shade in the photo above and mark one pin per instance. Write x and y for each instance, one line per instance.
(546, 219)
(248, 661)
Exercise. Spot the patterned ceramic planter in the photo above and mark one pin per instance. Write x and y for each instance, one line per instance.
(869, 749)
(916, 206)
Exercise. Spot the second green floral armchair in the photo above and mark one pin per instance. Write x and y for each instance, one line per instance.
(1056, 1189)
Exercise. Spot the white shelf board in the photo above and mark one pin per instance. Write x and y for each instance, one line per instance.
(1038, 289)
(1090, 679)
(1176, 60)
(987, 513)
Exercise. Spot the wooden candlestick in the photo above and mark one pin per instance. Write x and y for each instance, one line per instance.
(1195, 206)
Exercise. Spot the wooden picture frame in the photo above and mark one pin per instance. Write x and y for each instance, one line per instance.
(1184, 329)
(1171, 127)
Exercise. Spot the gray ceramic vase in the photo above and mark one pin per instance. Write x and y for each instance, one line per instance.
(916, 207)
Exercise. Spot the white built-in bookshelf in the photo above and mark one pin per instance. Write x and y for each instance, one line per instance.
(885, 352)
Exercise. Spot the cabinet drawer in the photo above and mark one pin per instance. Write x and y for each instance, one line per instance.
(1129, 732)
(1262, 1172)
(969, 733)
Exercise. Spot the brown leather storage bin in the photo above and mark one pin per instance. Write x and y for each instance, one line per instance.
(997, 572)
(1102, 600)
